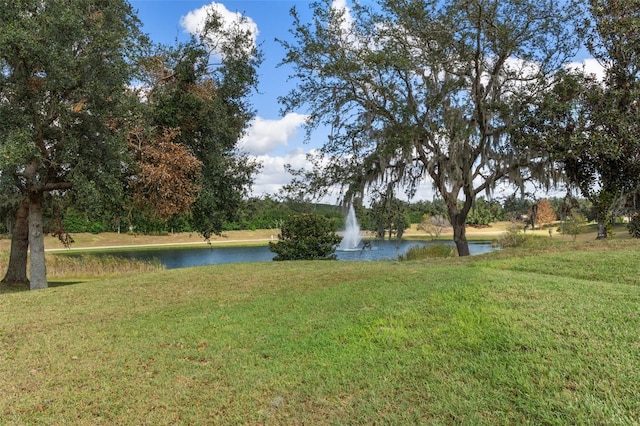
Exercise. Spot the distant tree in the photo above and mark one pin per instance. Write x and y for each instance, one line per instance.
(433, 225)
(389, 215)
(545, 213)
(64, 71)
(306, 237)
(485, 212)
(263, 212)
(416, 210)
(569, 206)
(515, 207)
(425, 90)
(574, 224)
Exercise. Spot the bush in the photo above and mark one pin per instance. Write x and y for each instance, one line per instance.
(306, 237)
(514, 237)
(574, 224)
(428, 252)
(433, 225)
(96, 228)
(634, 226)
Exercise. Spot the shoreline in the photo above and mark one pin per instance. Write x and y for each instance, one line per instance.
(115, 241)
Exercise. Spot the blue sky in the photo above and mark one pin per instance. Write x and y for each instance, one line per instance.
(274, 140)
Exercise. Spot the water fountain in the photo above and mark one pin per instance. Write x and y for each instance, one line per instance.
(351, 237)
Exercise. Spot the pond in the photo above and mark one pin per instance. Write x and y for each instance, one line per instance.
(174, 258)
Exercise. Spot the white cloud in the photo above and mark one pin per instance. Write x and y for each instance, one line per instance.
(193, 22)
(341, 5)
(273, 176)
(263, 135)
(346, 24)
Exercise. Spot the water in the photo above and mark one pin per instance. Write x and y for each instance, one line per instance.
(351, 236)
(173, 258)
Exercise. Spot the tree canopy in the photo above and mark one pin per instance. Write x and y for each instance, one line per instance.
(592, 127)
(424, 90)
(201, 88)
(64, 66)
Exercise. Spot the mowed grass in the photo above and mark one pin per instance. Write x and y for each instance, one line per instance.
(517, 337)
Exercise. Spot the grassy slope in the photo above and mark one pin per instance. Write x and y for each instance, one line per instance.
(541, 338)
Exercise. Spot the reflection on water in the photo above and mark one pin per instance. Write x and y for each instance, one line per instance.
(173, 258)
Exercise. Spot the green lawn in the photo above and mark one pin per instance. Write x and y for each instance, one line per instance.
(520, 337)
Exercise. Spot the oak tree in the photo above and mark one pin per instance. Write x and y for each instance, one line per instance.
(64, 66)
(612, 34)
(592, 126)
(415, 91)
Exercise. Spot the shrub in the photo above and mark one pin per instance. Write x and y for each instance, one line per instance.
(514, 237)
(433, 225)
(428, 252)
(634, 226)
(96, 228)
(574, 224)
(306, 237)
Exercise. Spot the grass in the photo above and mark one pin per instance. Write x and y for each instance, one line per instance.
(92, 266)
(63, 269)
(543, 336)
(429, 251)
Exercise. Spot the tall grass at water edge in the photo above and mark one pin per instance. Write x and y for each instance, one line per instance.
(97, 266)
(88, 266)
(428, 252)
(544, 337)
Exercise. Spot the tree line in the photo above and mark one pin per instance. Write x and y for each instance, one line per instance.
(382, 221)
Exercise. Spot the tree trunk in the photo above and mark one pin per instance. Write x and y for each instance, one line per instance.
(17, 269)
(38, 269)
(534, 216)
(458, 221)
(602, 231)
